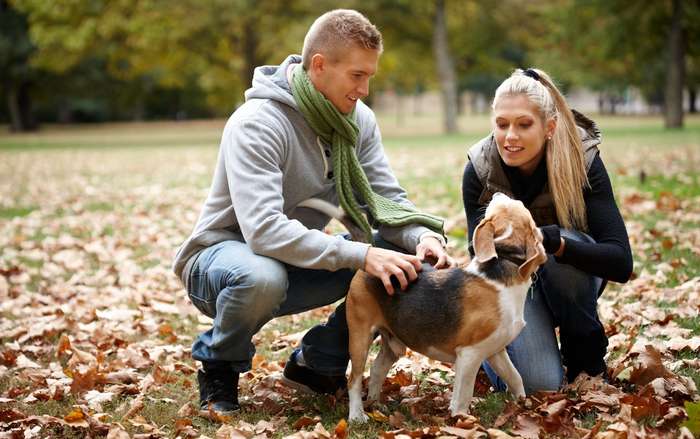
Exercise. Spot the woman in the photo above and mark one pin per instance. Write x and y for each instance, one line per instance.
(545, 154)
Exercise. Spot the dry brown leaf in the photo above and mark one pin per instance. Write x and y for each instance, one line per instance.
(474, 433)
(228, 431)
(135, 407)
(498, 434)
(11, 414)
(402, 378)
(397, 419)
(341, 429)
(76, 418)
(122, 377)
(304, 422)
(649, 366)
(378, 416)
(85, 380)
(63, 346)
(184, 429)
(118, 432)
(187, 411)
(527, 426)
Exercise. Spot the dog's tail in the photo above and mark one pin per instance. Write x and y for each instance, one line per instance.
(356, 233)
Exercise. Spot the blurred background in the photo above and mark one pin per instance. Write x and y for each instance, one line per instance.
(70, 61)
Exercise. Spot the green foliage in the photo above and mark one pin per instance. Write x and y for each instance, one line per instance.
(129, 59)
(693, 421)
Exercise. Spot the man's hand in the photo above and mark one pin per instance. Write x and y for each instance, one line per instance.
(384, 263)
(430, 249)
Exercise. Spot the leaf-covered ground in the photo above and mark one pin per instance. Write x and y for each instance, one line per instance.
(95, 331)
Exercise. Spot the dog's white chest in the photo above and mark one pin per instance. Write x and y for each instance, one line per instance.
(513, 307)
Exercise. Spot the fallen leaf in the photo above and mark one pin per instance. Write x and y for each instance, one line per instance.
(649, 367)
(378, 416)
(304, 421)
(397, 419)
(341, 429)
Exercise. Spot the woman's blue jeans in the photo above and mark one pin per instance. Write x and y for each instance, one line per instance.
(242, 291)
(564, 297)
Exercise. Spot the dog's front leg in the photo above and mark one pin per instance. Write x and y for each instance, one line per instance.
(500, 362)
(466, 367)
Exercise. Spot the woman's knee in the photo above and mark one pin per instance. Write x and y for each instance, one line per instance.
(543, 380)
(569, 284)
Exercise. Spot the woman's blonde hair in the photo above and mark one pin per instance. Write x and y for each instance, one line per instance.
(566, 167)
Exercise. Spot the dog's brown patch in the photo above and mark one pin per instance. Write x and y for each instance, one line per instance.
(483, 314)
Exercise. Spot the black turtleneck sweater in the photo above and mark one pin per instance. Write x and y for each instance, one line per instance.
(609, 257)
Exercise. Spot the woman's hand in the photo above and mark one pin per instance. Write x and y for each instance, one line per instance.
(431, 249)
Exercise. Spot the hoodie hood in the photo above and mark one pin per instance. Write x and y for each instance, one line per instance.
(270, 82)
(587, 130)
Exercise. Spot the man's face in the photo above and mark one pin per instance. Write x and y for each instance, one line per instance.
(346, 79)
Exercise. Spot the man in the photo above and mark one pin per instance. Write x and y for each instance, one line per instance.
(254, 255)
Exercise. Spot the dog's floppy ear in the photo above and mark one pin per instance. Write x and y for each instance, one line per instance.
(535, 255)
(484, 247)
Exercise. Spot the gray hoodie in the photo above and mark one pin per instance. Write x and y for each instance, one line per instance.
(269, 161)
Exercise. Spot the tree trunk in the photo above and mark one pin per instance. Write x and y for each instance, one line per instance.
(673, 108)
(692, 96)
(250, 51)
(20, 107)
(445, 66)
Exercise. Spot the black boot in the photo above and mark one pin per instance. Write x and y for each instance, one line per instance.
(304, 379)
(584, 355)
(218, 387)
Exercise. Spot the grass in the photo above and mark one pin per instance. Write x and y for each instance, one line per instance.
(110, 184)
(488, 409)
(19, 211)
(692, 323)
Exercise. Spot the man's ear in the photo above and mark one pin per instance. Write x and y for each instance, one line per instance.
(318, 63)
(484, 247)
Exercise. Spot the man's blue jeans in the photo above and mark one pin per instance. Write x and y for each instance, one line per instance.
(242, 291)
(564, 297)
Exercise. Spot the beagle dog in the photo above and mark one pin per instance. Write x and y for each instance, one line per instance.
(458, 315)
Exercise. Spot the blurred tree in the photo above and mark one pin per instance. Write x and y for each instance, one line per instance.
(16, 75)
(675, 72)
(488, 44)
(406, 65)
(445, 67)
(418, 53)
(214, 44)
(691, 38)
(610, 45)
(148, 58)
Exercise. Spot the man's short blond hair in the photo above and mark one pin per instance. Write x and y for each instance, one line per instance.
(339, 30)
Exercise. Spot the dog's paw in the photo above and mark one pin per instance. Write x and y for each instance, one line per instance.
(456, 410)
(358, 416)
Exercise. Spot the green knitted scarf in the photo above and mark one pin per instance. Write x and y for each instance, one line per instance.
(341, 131)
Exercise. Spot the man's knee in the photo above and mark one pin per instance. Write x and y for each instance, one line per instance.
(261, 289)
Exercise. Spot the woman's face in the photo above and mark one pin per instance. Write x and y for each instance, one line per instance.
(520, 133)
